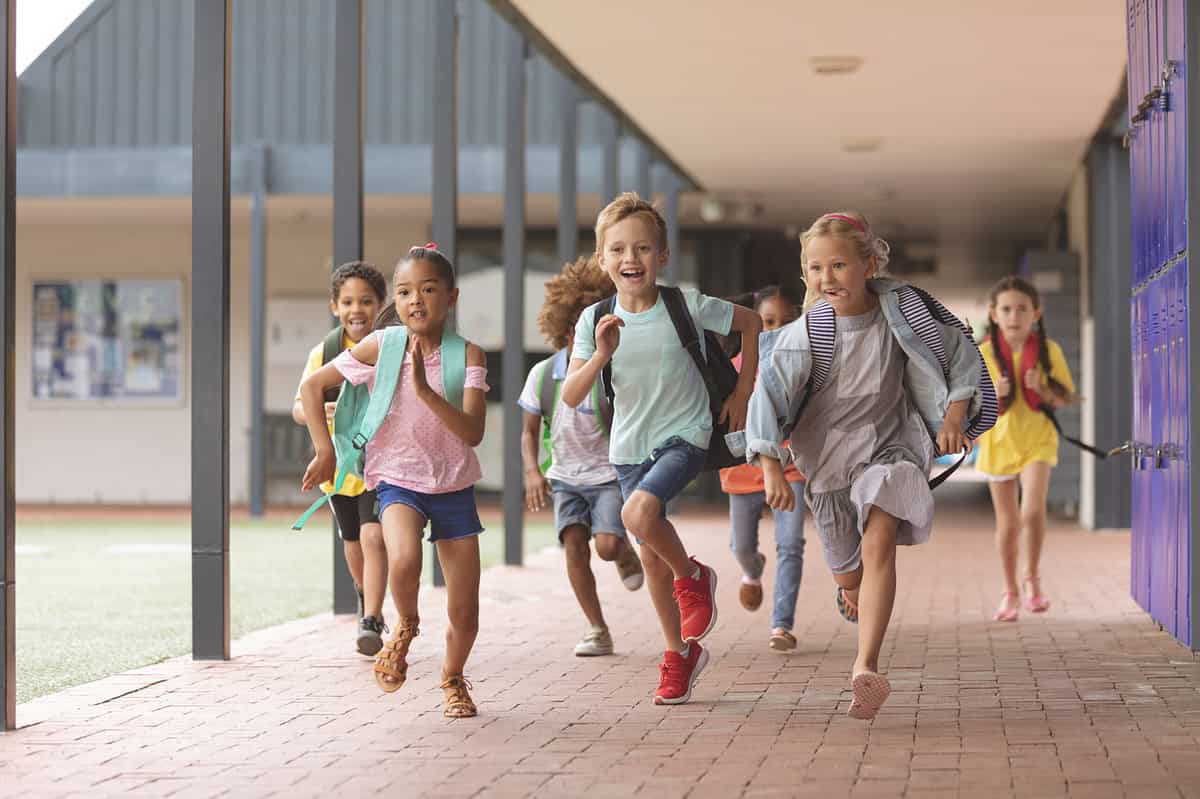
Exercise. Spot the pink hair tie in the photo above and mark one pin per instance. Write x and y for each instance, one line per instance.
(431, 246)
(848, 220)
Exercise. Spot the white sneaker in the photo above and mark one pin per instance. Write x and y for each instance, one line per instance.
(629, 567)
(596, 641)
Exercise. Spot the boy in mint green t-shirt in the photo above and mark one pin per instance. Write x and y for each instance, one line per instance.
(661, 419)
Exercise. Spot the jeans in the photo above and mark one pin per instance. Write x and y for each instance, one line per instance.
(745, 510)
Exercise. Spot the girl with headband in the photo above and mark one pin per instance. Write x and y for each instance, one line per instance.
(868, 387)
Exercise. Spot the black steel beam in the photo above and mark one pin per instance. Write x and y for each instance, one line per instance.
(513, 246)
(8, 330)
(568, 172)
(210, 331)
(610, 146)
(348, 30)
(258, 336)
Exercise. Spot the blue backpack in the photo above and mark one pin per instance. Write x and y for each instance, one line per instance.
(360, 413)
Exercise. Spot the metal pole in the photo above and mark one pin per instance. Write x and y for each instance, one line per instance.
(513, 362)
(445, 153)
(1192, 82)
(610, 140)
(645, 187)
(568, 172)
(348, 29)
(210, 332)
(671, 214)
(258, 333)
(8, 288)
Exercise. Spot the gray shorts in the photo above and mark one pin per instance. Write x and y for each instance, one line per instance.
(598, 508)
(899, 488)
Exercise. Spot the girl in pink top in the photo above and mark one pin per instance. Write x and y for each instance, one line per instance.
(422, 465)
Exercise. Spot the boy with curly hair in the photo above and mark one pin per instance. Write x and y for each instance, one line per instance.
(577, 474)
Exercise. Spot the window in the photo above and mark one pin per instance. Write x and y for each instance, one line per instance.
(107, 339)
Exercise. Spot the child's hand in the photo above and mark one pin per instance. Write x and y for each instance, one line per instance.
(734, 410)
(1003, 387)
(1033, 379)
(779, 493)
(537, 488)
(320, 469)
(330, 407)
(608, 335)
(418, 366)
(952, 438)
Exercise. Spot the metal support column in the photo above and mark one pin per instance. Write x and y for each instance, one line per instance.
(568, 172)
(610, 142)
(8, 287)
(258, 333)
(210, 331)
(671, 215)
(513, 362)
(445, 152)
(644, 185)
(348, 29)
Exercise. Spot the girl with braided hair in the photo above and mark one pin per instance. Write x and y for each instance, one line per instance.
(1032, 380)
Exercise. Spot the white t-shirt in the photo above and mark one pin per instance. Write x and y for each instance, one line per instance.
(659, 391)
(578, 445)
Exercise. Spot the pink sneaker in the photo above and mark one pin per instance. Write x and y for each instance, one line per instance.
(678, 674)
(1035, 601)
(697, 603)
(1009, 602)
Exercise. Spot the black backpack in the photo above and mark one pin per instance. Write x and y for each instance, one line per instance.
(720, 378)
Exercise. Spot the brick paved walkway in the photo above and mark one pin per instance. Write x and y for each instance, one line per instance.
(1090, 700)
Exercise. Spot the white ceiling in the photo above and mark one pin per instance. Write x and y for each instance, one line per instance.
(983, 108)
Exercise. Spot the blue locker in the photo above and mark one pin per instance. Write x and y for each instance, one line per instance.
(1177, 125)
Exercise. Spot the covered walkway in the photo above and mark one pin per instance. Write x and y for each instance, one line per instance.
(1090, 700)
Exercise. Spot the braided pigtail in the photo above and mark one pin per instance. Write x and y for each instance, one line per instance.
(1058, 388)
(994, 334)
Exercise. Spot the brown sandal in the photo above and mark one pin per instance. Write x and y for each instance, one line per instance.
(458, 701)
(391, 664)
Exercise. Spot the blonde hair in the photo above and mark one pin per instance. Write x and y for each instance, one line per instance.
(579, 285)
(624, 206)
(849, 225)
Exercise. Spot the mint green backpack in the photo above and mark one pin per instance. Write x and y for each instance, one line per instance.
(549, 392)
(359, 412)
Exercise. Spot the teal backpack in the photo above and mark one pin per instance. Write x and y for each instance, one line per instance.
(549, 392)
(359, 412)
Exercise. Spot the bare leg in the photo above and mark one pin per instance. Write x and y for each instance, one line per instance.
(642, 515)
(877, 594)
(402, 527)
(579, 571)
(374, 569)
(1008, 525)
(460, 562)
(354, 560)
(1035, 485)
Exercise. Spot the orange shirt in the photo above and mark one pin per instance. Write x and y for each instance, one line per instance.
(747, 479)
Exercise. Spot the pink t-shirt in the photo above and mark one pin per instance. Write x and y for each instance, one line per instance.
(413, 449)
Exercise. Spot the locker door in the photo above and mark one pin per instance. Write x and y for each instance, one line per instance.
(1177, 125)
(1140, 560)
(1180, 466)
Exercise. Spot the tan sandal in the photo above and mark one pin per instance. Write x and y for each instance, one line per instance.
(782, 640)
(391, 664)
(458, 702)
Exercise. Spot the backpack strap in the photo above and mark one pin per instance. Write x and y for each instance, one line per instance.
(603, 309)
(821, 326)
(454, 368)
(393, 346)
(331, 347)
(548, 389)
(602, 408)
(685, 328)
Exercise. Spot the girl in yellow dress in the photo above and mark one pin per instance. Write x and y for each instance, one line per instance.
(1031, 378)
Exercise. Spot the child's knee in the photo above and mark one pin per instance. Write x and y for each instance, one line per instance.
(1033, 519)
(640, 512)
(608, 547)
(575, 543)
(463, 616)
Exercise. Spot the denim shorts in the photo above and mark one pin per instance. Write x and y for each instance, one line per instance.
(598, 508)
(666, 473)
(450, 516)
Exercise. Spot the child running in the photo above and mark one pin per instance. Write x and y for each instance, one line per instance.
(1030, 374)
(662, 420)
(872, 376)
(422, 465)
(358, 292)
(587, 496)
(747, 498)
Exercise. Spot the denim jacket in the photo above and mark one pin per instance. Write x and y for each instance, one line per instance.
(943, 366)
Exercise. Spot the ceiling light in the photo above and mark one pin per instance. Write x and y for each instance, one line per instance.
(861, 145)
(711, 209)
(835, 64)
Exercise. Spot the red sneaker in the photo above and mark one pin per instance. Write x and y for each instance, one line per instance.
(677, 674)
(697, 605)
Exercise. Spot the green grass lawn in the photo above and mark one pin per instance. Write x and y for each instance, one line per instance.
(96, 599)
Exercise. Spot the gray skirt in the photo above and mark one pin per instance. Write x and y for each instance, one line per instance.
(896, 482)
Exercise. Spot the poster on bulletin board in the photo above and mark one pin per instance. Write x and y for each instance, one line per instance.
(107, 339)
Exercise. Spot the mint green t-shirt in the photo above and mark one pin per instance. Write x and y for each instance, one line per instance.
(659, 391)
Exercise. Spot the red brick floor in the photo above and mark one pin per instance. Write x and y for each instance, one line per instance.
(1089, 700)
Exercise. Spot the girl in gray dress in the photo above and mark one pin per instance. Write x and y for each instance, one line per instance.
(878, 379)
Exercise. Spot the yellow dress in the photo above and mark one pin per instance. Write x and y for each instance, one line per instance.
(1022, 435)
(353, 486)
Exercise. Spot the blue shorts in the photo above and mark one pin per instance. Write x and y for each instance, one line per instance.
(598, 508)
(450, 516)
(666, 473)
